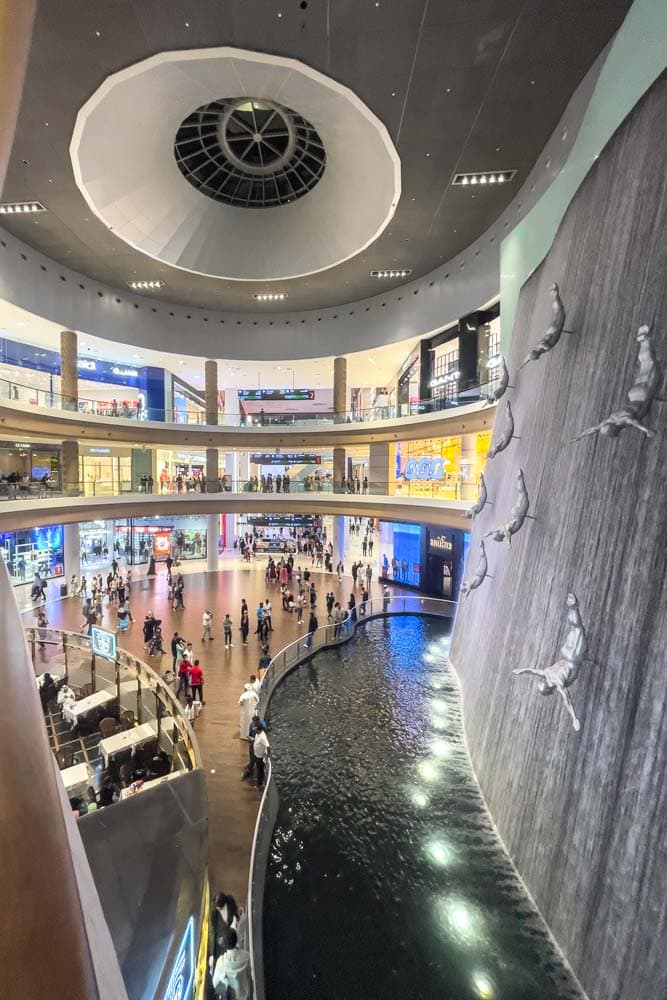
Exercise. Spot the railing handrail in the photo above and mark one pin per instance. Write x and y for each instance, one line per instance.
(376, 607)
(372, 414)
(130, 662)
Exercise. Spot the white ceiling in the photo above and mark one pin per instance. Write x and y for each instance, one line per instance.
(371, 368)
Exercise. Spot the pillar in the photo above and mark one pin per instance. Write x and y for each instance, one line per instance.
(69, 372)
(338, 540)
(70, 468)
(378, 468)
(72, 553)
(340, 390)
(212, 533)
(232, 407)
(211, 401)
(339, 468)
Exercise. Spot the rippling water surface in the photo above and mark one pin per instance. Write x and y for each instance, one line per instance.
(385, 878)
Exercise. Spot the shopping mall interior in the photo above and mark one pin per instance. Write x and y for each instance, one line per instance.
(333, 451)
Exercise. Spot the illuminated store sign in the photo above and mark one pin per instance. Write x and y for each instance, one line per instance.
(280, 458)
(126, 372)
(261, 395)
(425, 468)
(281, 520)
(440, 543)
(182, 975)
(103, 643)
(89, 366)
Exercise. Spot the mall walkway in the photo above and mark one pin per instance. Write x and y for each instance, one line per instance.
(232, 802)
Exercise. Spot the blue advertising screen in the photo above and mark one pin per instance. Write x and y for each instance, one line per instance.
(400, 552)
(50, 537)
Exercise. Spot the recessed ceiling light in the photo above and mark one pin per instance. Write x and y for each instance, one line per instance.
(484, 177)
(21, 207)
(157, 283)
(269, 296)
(449, 90)
(187, 24)
(98, 33)
(393, 93)
(396, 272)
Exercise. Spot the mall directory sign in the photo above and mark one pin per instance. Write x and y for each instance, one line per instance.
(103, 643)
(282, 458)
(266, 395)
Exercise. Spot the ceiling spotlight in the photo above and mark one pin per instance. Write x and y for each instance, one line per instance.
(269, 296)
(21, 207)
(484, 177)
(147, 284)
(396, 272)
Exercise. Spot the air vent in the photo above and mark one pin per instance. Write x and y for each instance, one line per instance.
(146, 285)
(269, 296)
(21, 207)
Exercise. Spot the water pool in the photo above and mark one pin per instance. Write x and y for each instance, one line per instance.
(385, 876)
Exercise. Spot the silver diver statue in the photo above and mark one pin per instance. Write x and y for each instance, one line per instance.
(501, 387)
(554, 330)
(564, 672)
(480, 574)
(642, 392)
(518, 514)
(482, 500)
(506, 434)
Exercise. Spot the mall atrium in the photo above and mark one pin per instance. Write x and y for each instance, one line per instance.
(333, 520)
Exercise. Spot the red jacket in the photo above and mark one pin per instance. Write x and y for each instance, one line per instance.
(183, 668)
(196, 675)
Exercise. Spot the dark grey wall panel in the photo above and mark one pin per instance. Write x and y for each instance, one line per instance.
(583, 814)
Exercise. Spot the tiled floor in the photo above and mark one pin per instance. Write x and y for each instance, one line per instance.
(232, 803)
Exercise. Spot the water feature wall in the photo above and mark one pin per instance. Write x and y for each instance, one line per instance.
(582, 812)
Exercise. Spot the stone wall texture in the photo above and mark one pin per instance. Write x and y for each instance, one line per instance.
(583, 814)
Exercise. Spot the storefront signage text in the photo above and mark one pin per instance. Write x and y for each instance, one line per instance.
(89, 366)
(183, 972)
(125, 371)
(441, 543)
(103, 643)
(424, 468)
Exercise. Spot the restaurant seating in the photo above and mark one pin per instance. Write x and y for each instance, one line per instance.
(65, 758)
(127, 719)
(107, 727)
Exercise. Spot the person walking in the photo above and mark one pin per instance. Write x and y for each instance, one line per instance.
(267, 615)
(370, 546)
(355, 569)
(369, 575)
(183, 677)
(248, 703)
(178, 593)
(206, 623)
(300, 602)
(340, 569)
(197, 682)
(312, 628)
(177, 650)
(330, 603)
(227, 628)
(245, 625)
(260, 616)
(362, 606)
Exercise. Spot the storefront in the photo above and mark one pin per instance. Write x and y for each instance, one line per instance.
(446, 467)
(105, 470)
(33, 461)
(96, 539)
(444, 561)
(35, 550)
(182, 538)
(400, 555)
(189, 406)
(190, 466)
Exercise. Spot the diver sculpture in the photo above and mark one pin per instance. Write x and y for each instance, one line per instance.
(480, 574)
(642, 392)
(501, 387)
(478, 507)
(554, 330)
(564, 672)
(506, 434)
(518, 514)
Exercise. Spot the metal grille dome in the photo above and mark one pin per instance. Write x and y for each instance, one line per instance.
(249, 153)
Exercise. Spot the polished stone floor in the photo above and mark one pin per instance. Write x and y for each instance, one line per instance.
(232, 802)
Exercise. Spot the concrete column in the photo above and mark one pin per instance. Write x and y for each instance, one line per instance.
(70, 467)
(378, 468)
(212, 533)
(72, 553)
(69, 372)
(339, 468)
(338, 540)
(211, 398)
(340, 389)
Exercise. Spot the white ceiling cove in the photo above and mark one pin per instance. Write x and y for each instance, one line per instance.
(122, 152)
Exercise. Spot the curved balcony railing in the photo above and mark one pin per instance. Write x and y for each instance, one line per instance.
(128, 409)
(290, 657)
(135, 686)
(452, 487)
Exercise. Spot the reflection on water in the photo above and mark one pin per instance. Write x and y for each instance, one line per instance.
(385, 877)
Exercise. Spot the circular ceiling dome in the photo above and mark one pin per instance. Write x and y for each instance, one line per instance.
(176, 184)
(249, 152)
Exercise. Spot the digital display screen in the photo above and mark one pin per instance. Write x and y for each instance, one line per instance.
(281, 520)
(294, 458)
(261, 395)
(50, 537)
(400, 546)
(103, 643)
